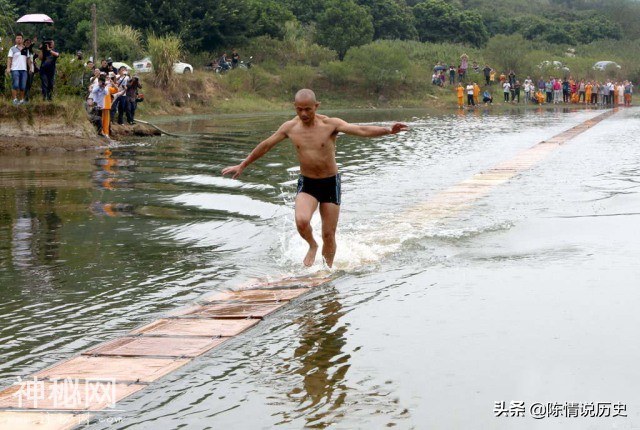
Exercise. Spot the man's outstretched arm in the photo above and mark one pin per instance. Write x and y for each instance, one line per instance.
(367, 130)
(262, 148)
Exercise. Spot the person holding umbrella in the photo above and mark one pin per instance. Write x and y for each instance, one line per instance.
(48, 68)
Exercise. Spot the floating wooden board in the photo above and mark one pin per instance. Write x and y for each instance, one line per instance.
(197, 327)
(236, 310)
(259, 295)
(65, 395)
(156, 346)
(10, 420)
(117, 368)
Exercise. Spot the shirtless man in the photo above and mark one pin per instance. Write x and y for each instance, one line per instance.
(314, 137)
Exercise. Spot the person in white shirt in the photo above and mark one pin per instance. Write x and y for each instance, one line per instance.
(470, 101)
(506, 87)
(17, 65)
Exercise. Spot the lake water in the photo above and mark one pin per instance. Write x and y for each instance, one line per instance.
(532, 294)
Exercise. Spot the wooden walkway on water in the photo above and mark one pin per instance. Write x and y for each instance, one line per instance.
(65, 395)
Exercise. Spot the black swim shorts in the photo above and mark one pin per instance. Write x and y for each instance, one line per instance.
(325, 190)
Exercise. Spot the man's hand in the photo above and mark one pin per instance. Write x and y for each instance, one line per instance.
(234, 170)
(398, 127)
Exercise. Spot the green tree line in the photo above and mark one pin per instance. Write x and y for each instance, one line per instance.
(209, 25)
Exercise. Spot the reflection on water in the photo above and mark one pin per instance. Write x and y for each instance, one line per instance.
(93, 244)
(323, 364)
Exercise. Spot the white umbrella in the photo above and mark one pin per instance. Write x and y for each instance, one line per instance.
(35, 18)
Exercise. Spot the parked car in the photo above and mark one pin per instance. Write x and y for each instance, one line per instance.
(145, 66)
(604, 65)
(117, 65)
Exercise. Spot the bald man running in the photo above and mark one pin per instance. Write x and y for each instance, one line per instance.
(314, 137)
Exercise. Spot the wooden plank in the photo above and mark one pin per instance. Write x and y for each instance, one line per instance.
(199, 327)
(236, 310)
(65, 395)
(10, 420)
(116, 368)
(156, 346)
(257, 295)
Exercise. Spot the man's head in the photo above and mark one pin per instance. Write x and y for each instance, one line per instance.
(27, 43)
(19, 39)
(103, 63)
(306, 105)
(109, 61)
(90, 65)
(102, 80)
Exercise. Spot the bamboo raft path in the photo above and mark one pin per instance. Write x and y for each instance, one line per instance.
(131, 362)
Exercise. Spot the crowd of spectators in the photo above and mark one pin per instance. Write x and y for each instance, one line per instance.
(112, 95)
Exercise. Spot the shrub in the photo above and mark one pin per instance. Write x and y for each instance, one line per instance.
(121, 42)
(294, 78)
(164, 52)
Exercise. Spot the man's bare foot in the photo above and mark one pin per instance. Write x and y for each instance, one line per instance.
(328, 258)
(311, 255)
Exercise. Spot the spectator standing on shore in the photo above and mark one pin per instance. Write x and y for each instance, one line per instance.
(17, 65)
(506, 89)
(566, 91)
(582, 91)
(452, 75)
(131, 95)
(104, 67)
(527, 90)
(548, 89)
(101, 96)
(48, 68)
(470, 101)
(464, 65)
(628, 90)
(476, 93)
(515, 91)
(487, 74)
(460, 91)
(460, 73)
(557, 91)
(588, 88)
(28, 51)
(122, 81)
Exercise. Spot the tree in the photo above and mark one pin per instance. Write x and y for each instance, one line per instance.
(269, 18)
(344, 24)
(436, 20)
(472, 29)
(392, 19)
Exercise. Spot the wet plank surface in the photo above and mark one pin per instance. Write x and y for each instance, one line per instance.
(116, 368)
(235, 310)
(199, 327)
(156, 346)
(258, 295)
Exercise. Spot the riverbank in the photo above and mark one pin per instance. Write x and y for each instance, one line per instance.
(63, 124)
(60, 125)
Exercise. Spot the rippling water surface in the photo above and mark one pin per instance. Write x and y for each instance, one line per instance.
(531, 294)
